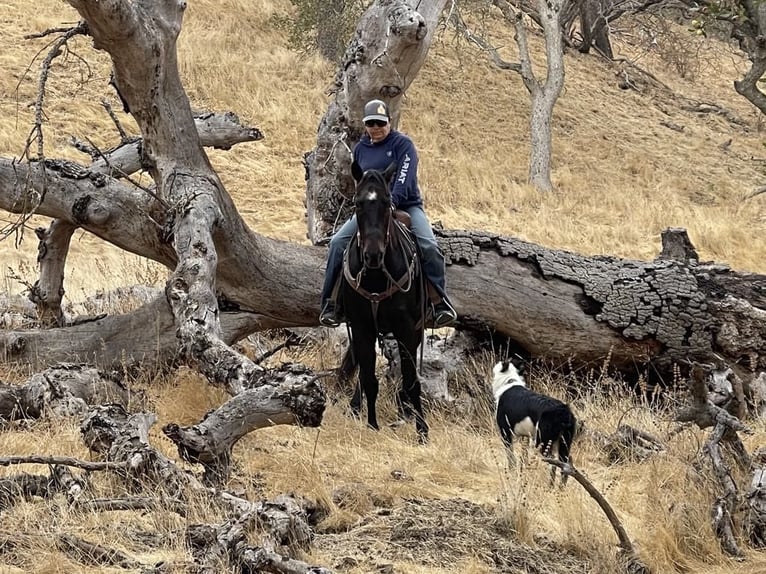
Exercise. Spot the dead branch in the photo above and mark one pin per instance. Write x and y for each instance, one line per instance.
(702, 410)
(61, 460)
(95, 554)
(285, 522)
(634, 564)
(133, 503)
(110, 431)
(53, 53)
(61, 391)
(288, 395)
(726, 504)
(118, 126)
(756, 500)
(219, 130)
(25, 486)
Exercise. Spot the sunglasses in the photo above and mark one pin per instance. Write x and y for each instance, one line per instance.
(375, 123)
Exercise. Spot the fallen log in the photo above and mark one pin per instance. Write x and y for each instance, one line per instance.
(64, 390)
(290, 395)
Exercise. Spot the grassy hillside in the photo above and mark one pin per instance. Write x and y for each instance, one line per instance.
(622, 175)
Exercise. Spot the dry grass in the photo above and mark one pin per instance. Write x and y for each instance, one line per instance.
(452, 507)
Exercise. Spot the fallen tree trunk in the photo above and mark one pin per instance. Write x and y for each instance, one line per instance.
(554, 304)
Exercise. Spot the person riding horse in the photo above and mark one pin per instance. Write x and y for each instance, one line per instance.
(379, 147)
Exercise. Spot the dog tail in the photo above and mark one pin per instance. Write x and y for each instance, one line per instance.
(559, 424)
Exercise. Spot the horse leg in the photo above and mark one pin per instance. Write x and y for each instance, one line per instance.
(411, 385)
(364, 350)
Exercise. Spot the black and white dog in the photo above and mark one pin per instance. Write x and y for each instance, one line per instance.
(525, 413)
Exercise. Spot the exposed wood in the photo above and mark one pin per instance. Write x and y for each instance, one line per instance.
(726, 505)
(64, 390)
(554, 304)
(756, 500)
(285, 524)
(48, 290)
(123, 438)
(290, 395)
(702, 411)
(60, 460)
(677, 246)
(202, 221)
(219, 130)
(26, 486)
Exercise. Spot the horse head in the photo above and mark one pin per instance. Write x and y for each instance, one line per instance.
(373, 208)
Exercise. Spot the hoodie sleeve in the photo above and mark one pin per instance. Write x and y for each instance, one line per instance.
(406, 172)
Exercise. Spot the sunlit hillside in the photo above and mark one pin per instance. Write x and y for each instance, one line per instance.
(627, 164)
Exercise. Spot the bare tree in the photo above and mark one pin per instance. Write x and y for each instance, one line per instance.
(544, 94)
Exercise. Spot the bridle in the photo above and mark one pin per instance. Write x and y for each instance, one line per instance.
(403, 284)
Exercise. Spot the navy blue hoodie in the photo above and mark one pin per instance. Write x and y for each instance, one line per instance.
(399, 148)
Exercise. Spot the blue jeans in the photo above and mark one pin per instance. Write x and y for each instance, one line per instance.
(433, 260)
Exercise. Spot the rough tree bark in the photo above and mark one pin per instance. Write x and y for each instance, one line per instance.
(388, 49)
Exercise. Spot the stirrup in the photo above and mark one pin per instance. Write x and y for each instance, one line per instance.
(443, 314)
(331, 316)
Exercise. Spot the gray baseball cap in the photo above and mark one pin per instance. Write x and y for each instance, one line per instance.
(376, 110)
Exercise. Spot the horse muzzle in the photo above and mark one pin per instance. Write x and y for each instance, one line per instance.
(373, 258)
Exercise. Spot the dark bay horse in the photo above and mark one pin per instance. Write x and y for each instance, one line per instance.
(383, 292)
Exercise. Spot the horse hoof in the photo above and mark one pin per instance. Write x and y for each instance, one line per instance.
(374, 427)
(422, 439)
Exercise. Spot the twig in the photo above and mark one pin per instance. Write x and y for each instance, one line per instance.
(53, 53)
(108, 107)
(291, 340)
(63, 460)
(462, 28)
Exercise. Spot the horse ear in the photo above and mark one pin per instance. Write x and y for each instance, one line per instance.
(389, 171)
(356, 171)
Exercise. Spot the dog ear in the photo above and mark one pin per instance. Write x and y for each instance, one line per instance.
(505, 363)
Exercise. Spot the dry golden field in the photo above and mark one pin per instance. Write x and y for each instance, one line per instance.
(621, 176)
